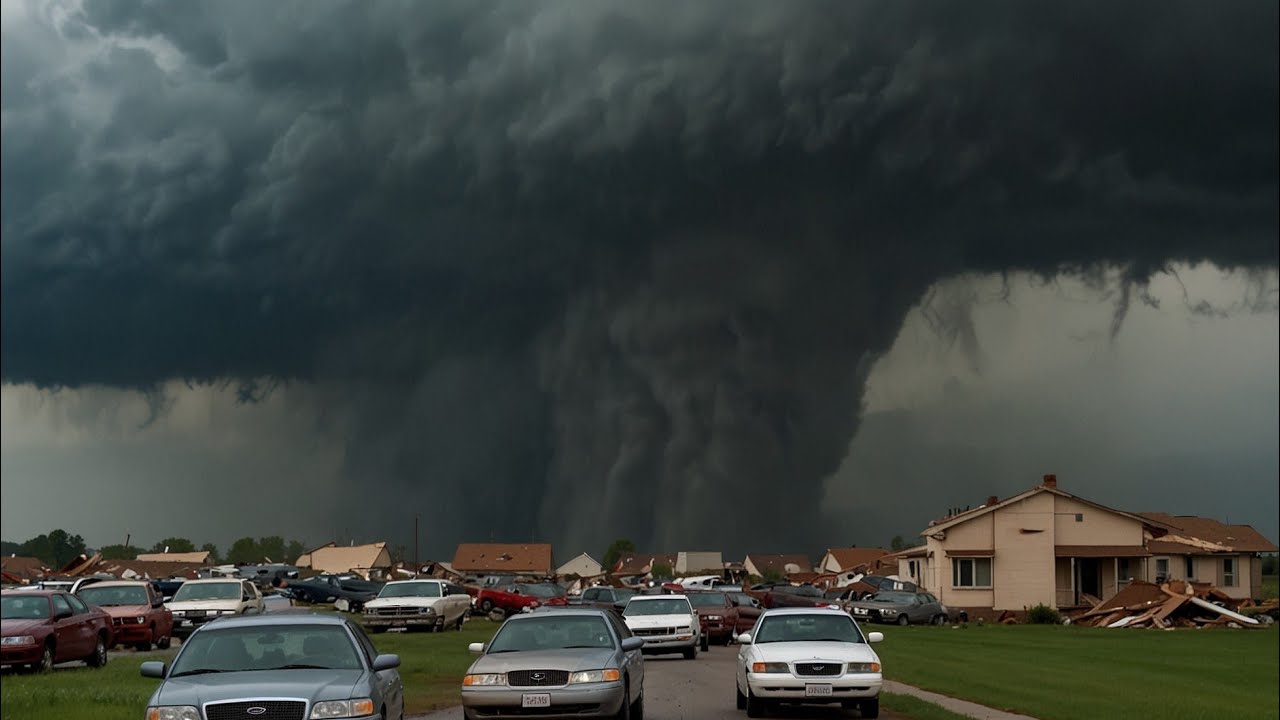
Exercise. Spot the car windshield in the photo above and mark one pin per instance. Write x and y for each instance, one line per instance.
(744, 599)
(710, 599)
(412, 589)
(542, 590)
(267, 647)
(660, 606)
(807, 628)
(552, 632)
(16, 607)
(623, 593)
(891, 596)
(208, 591)
(114, 596)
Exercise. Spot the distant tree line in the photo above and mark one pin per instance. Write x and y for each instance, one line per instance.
(56, 548)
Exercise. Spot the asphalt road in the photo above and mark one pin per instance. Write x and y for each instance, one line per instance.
(701, 689)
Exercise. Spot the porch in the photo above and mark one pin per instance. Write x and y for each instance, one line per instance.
(1097, 571)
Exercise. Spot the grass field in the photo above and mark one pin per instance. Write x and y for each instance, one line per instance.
(1064, 673)
(1270, 586)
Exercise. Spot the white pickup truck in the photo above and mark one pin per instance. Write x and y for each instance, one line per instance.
(430, 605)
(198, 601)
(667, 623)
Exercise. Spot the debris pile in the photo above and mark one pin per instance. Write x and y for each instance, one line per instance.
(1175, 604)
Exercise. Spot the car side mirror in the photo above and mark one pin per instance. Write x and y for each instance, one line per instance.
(632, 643)
(476, 648)
(153, 669)
(744, 639)
(875, 637)
(386, 662)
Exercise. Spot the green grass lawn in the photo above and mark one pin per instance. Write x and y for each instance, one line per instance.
(1270, 586)
(1063, 672)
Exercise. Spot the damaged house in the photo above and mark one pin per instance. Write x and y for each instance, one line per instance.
(484, 559)
(1204, 550)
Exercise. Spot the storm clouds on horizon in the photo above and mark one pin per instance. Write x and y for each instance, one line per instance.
(584, 271)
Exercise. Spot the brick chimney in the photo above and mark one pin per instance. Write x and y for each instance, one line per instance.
(992, 500)
(1050, 481)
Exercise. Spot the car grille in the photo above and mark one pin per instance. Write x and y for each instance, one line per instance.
(396, 611)
(819, 669)
(273, 710)
(645, 632)
(537, 678)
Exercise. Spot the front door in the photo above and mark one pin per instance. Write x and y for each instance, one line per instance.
(1089, 576)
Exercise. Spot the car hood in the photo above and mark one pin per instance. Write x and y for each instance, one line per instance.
(19, 626)
(650, 621)
(126, 610)
(407, 601)
(572, 660)
(804, 651)
(314, 685)
(203, 605)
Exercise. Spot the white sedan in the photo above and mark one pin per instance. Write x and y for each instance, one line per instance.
(808, 655)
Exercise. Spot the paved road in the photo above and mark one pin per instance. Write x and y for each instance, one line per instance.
(700, 689)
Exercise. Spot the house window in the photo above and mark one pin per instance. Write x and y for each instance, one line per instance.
(1162, 569)
(1191, 568)
(913, 568)
(1228, 572)
(1124, 569)
(971, 572)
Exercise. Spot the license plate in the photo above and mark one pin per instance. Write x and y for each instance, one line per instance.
(398, 623)
(536, 700)
(817, 691)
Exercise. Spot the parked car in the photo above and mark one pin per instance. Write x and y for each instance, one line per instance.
(519, 596)
(418, 605)
(582, 662)
(41, 628)
(283, 665)
(604, 598)
(718, 615)
(167, 588)
(332, 589)
(667, 623)
(902, 608)
(786, 595)
(808, 655)
(867, 586)
(749, 610)
(138, 615)
(701, 582)
(199, 601)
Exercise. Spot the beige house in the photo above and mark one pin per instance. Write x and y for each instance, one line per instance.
(698, 563)
(852, 559)
(583, 566)
(1041, 546)
(1204, 550)
(360, 559)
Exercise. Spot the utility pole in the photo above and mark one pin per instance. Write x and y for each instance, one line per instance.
(416, 564)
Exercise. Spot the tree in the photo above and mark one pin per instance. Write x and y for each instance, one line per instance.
(57, 548)
(661, 572)
(897, 543)
(773, 575)
(120, 552)
(213, 553)
(244, 551)
(293, 552)
(9, 548)
(174, 545)
(271, 547)
(616, 550)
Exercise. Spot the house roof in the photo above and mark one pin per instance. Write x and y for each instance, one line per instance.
(25, 568)
(147, 568)
(577, 558)
(981, 510)
(1194, 535)
(638, 563)
(200, 557)
(502, 557)
(917, 551)
(343, 558)
(785, 564)
(852, 557)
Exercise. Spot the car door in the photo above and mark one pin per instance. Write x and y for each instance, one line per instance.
(389, 683)
(634, 659)
(918, 611)
(69, 631)
(932, 607)
(748, 612)
(159, 614)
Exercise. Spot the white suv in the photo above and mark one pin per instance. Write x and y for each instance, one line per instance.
(198, 601)
(667, 623)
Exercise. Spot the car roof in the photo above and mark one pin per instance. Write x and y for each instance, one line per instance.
(415, 580)
(116, 583)
(34, 593)
(582, 611)
(207, 581)
(277, 618)
(806, 611)
(647, 598)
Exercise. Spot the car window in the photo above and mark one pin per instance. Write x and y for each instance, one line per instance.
(590, 594)
(807, 628)
(267, 647)
(60, 604)
(362, 639)
(19, 607)
(664, 606)
(77, 605)
(551, 632)
(620, 627)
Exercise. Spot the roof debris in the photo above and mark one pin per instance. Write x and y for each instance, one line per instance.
(1175, 604)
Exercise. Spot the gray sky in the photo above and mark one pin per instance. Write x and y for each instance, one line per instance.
(623, 269)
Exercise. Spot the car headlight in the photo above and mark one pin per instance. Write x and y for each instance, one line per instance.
(19, 640)
(682, 629)
(594, 676)
(359, 707)
(142, 619)
(888, 611)
(863, 667)
(173, 712)
(426, 610)
(484, 679)
(715, 617)
(226, 612)
(179, 613)
(770, 667)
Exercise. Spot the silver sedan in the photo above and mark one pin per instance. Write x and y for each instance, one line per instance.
(569, 663)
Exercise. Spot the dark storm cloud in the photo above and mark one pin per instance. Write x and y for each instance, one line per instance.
(613, 261)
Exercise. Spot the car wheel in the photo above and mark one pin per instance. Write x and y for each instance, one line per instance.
(99, 656)
(143, 647)
(46, 658)
(939, 620)
(164, 642)
(461, 619)
(869, 708)
(690, 653)
(754, 706)
(740, 699)
(704, 644)
(637, 708)
(624, 712)
(903, 620)
(486, 606)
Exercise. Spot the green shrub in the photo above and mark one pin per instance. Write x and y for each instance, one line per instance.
(1043, 615)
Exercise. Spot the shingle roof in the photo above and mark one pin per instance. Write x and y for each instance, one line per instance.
(1193, 535)
(851, 558)
(502, 557)
(25, 568)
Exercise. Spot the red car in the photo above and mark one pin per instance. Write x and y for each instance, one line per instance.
(719, 616)
(44, 627)
(516, 597)
(137, 611)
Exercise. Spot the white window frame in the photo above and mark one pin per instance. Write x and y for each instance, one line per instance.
(958, 562)
(1229, 577)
